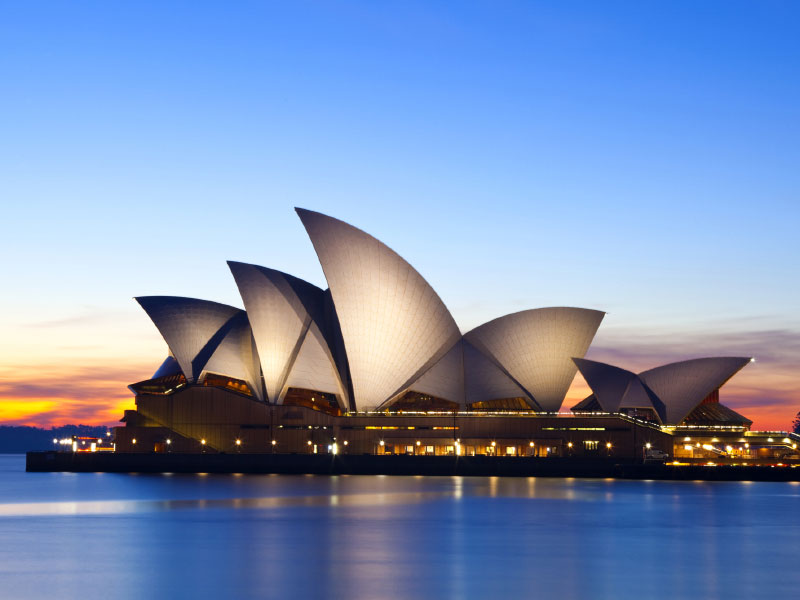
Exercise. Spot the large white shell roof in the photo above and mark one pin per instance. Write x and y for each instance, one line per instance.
(393, 323)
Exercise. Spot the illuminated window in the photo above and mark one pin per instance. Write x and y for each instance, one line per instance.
(409, 449)
(511, 450)
(590, 445)
(428, 449)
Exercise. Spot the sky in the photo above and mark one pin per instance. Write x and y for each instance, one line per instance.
(639, 158)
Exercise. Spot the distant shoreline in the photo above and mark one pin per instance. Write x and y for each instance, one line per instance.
(19, 439)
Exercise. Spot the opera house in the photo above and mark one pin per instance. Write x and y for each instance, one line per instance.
(376, 364)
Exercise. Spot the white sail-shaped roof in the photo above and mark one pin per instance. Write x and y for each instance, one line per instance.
(206, 336)
(191, 328)
(681, 386)
(536, 348)
(280, 309)
(393, 323)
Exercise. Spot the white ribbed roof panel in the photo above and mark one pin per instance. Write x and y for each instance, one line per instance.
(536, 348)
(681, 386)
(191, 328)
(393, 323)
(277, 307)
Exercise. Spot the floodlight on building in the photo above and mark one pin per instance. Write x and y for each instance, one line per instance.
(133, 440)
(608, 444)
(381, 442)
(169, 441)
(203, 441)
(418, 442)
(770, 440)
(274, 442)
(308, 442)
(648, 445)
(55, 440)
(531, 444)
(238, 442)
(494, 443)
(569, 444)
(345, 442)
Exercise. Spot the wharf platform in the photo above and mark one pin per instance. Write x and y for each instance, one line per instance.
(367, 464)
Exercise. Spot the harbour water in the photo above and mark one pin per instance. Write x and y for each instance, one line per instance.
(90, 535)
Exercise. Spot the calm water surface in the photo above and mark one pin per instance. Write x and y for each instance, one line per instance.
(249, 536)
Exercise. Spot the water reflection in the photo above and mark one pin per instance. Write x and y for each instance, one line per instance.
(392, 537)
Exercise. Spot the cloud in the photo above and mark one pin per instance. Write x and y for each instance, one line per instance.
(63, 393)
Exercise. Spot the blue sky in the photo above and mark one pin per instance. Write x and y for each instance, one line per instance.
(635, 157)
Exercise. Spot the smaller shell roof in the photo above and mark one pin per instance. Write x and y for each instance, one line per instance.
(535, 347)
(201, 333)
(682, 385)
(674, 390)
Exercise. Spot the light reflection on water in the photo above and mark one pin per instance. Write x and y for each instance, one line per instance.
(234, 536)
